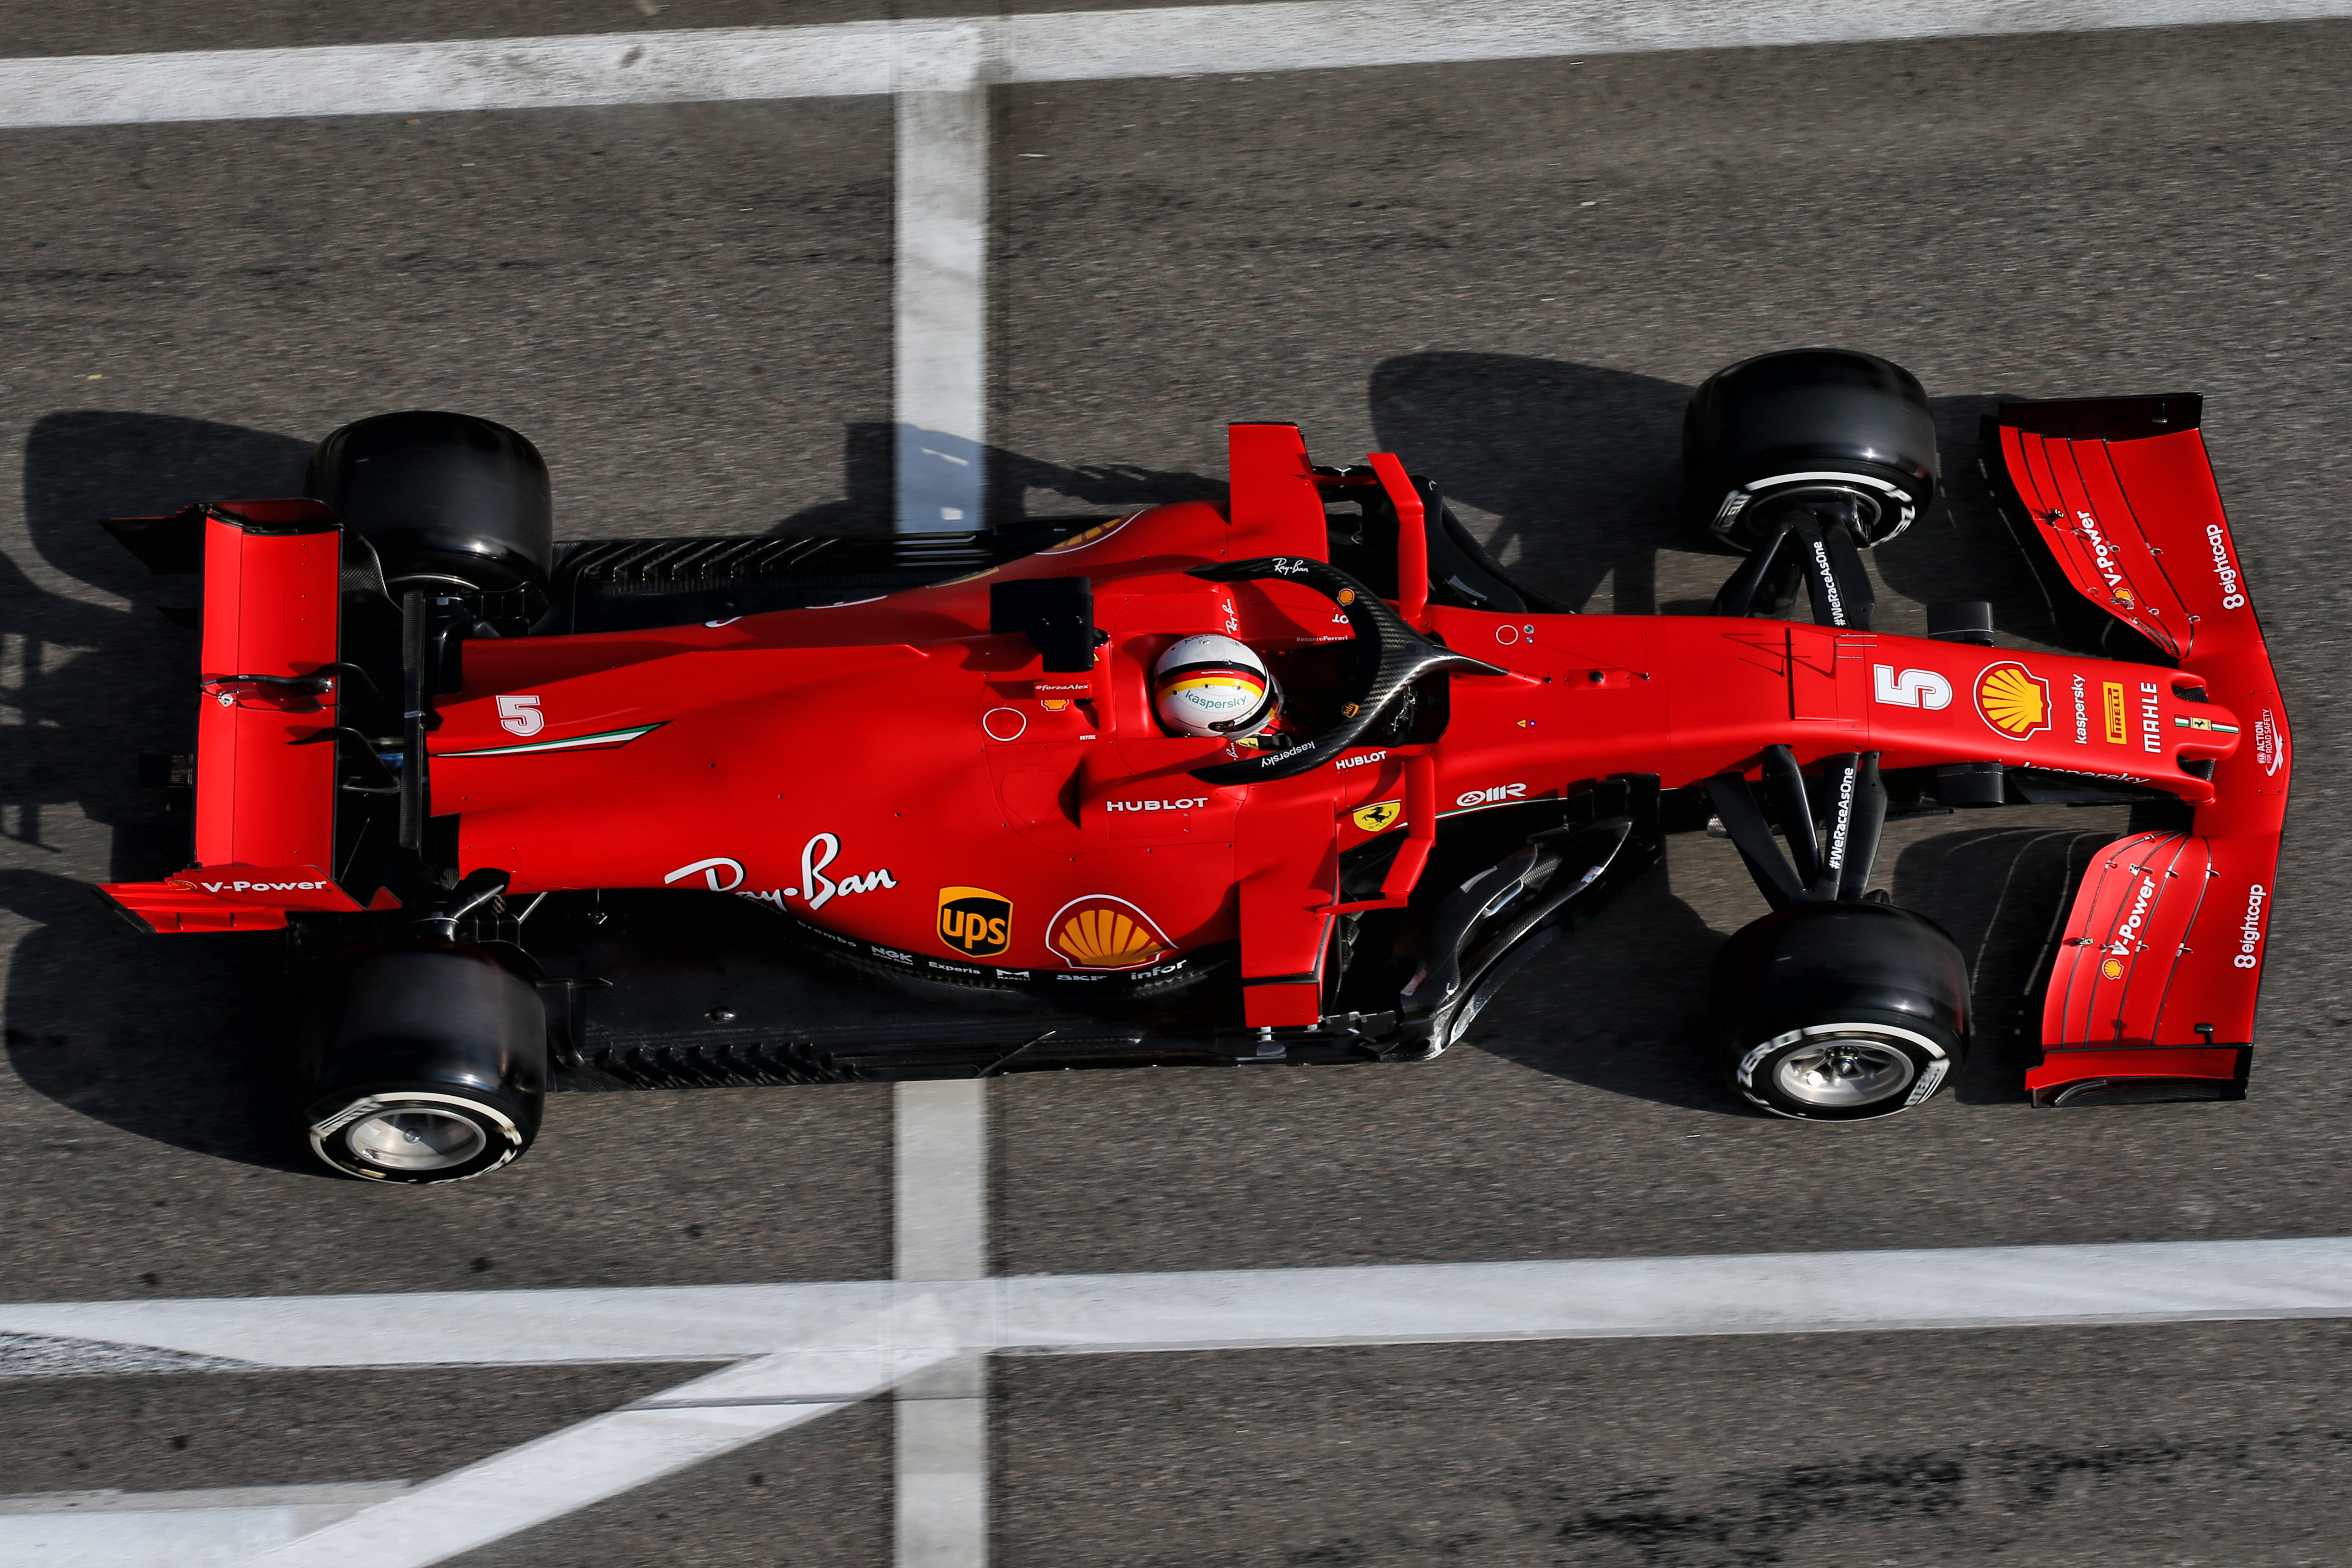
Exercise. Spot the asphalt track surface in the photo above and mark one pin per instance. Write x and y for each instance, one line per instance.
(1511, 273)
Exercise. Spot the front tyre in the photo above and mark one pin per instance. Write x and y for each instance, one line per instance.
(1841, 1011)
(1808, 427)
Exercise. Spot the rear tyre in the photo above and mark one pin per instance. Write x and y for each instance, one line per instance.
(1808, 424)
(449, 500)
(422, 1064)
(1841, 1012)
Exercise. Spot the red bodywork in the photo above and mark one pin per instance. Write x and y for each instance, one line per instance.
(897, 775)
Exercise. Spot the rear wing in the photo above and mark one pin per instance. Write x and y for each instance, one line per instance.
(265, 790)
(2152, 992)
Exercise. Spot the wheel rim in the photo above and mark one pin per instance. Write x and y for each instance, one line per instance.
(416, 1138)
(1844, 1071)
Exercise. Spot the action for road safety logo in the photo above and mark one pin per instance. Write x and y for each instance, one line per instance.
(974, 921)
(1100, 932)
(2012, 698)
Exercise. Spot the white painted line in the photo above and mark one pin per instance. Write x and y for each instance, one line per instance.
(942, 1164)
(486, 1328)
(1324, 34)
(942, 1211)
(685, 66)
(938, 283)
(741, 64)
(187, 1529)
(942, 1467)
(1771, 1293)
(610, 1454)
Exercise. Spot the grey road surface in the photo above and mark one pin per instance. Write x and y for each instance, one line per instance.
(1510, 273)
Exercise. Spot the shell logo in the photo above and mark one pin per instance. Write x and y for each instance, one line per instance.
(2013, 700)
(1100, 932)
(2113, 969)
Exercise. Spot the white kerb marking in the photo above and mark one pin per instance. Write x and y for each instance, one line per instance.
(942, 1215)
(857, 59)
(938, 285)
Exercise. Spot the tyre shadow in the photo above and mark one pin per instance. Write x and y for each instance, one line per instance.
(181, 1040)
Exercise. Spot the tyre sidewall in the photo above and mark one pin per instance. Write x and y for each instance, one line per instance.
(508, 1128)
(1751, 1058)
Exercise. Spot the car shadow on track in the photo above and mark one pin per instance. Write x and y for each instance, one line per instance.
(1620, 1003)
(1580, 464)
(173, 1040)
(180, 1040)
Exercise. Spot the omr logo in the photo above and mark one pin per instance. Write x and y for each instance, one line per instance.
(975, 922)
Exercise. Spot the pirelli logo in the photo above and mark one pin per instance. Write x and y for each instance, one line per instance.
(2118, 734)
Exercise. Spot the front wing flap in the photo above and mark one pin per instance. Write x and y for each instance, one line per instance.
(2153, 990)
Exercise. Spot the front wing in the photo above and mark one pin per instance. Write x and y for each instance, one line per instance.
(2152, 994)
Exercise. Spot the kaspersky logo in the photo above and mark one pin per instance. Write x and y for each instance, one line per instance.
(974, 921)
(2012, 698)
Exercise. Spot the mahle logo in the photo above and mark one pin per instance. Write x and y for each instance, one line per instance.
(975, 922)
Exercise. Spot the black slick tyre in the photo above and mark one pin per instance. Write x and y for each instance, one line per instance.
(1839, 1012)
(422, 1064)
(1808, 424)
(449, 500)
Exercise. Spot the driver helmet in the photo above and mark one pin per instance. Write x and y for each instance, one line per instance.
(1213, 687)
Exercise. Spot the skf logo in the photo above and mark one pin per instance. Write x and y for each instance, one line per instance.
(2013, 700)
(1376, 818)
(974, 921)
(1100, 932)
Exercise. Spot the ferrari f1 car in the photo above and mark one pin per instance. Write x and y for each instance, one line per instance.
(656, 813)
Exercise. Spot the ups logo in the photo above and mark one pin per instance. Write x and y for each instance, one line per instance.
(974, 921)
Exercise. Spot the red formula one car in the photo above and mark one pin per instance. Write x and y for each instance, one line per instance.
(653, 813)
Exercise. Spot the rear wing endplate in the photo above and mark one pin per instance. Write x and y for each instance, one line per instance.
(265, 795)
